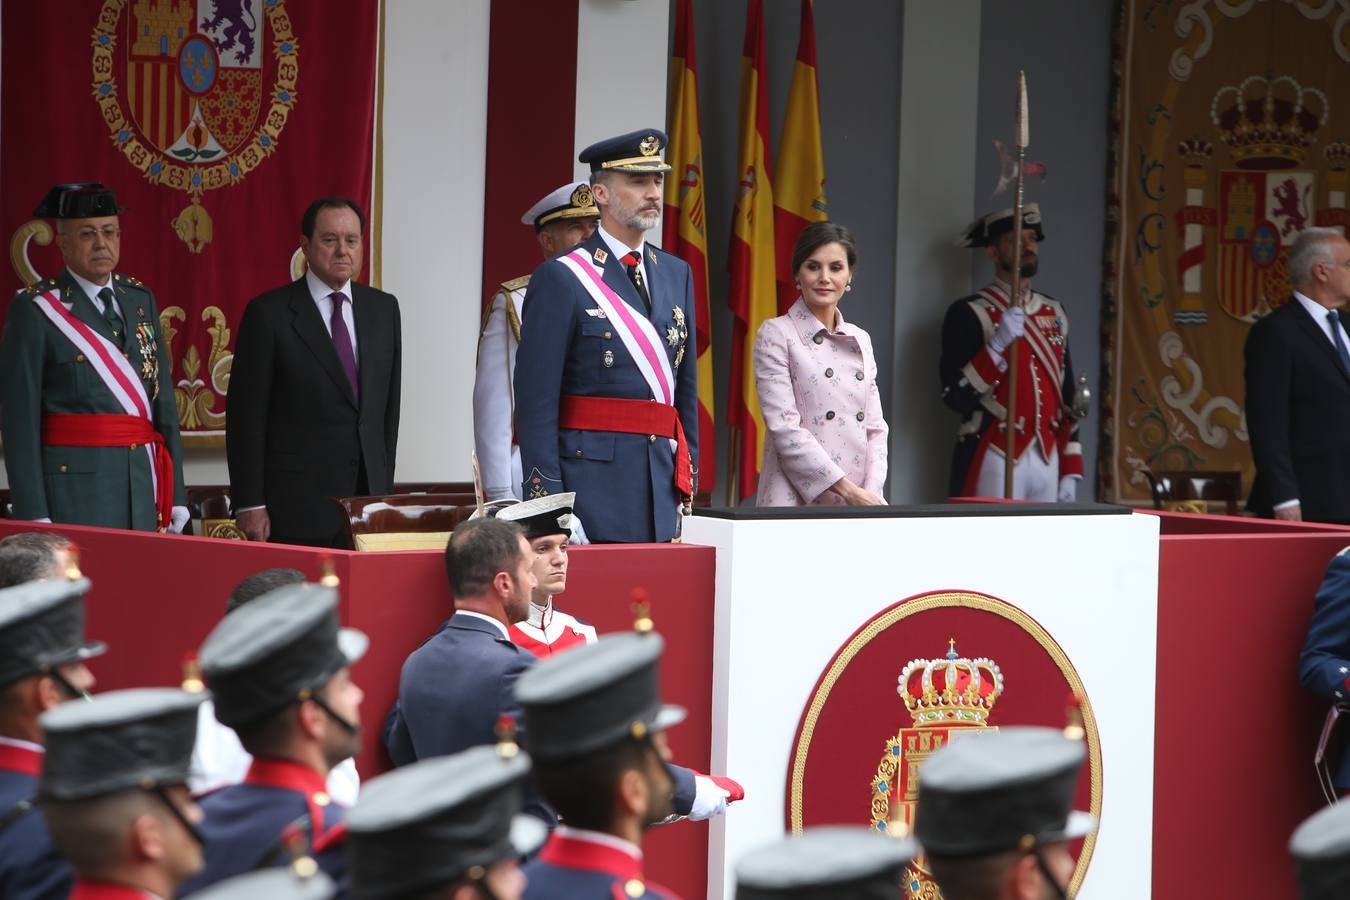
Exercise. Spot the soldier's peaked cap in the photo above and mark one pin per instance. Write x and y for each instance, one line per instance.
(42, 627)
(78, 200)
(277, 650)
(1321, 851)
(571, 201)
(826, 863)
(121, 740)
(1002, 791)
(636, 151)
(593, 697)
(429, 823)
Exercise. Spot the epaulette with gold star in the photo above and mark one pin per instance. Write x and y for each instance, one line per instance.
(129, 281)
(516, 284)
(41, 286)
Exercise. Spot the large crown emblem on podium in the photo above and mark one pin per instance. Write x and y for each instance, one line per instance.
(948, 698)
(1269, 123)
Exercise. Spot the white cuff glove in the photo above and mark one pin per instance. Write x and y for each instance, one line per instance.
(1068, 488)
(709, 799)
(1011, 326)
(178, 517)
(578, 531)
(46, 520)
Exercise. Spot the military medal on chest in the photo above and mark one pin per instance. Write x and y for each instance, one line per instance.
(145, 339)
(677, 335)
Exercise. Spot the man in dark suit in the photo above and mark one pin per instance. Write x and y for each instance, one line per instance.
(87, 408)
(312, 410)
(606, 332)
(1298, 389)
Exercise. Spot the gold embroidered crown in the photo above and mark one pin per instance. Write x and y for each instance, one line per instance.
(951, 690)
(1268, 123)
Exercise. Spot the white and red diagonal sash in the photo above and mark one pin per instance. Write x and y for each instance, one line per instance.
(1040, 344)
(634, 329)
(125, 385)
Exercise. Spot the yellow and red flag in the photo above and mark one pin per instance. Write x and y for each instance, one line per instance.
(799, 189)
(684, 223)
(752, 296)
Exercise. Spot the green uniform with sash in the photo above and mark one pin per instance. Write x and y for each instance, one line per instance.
(42, 371)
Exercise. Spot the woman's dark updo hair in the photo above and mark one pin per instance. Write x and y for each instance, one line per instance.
(817, 235)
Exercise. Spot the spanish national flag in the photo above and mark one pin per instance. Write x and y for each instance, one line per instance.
(799, 190)
(752, 295)
(683, 225)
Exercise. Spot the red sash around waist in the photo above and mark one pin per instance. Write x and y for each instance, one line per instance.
(115, 430)
(631, 417)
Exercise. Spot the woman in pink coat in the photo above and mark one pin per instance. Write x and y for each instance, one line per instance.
(817, 383)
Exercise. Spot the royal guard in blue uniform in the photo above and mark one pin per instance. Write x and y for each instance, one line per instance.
(978, 334)
(42, 654)
(114, 792)
(828, 861)
(1324, 663)
(279, 672)
(449, 827)
(594, 725)
(606, 388)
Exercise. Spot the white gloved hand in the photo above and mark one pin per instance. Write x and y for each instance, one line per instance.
(178, 518)
(1068, 488)
(709, 799)
(45, 520)
(1011, 326)
(578, 531)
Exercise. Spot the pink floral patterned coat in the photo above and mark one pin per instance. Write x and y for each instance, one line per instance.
(822, 412)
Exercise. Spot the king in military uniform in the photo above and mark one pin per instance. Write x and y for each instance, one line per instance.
(978, 334)
(561, 220)
(606, 390)
(87, 410)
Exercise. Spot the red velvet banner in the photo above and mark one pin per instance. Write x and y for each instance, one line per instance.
(215, 121)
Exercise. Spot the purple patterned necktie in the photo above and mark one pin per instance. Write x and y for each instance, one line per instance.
(342, 342)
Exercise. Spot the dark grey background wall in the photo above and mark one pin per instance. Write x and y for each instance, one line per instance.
(1063, 45)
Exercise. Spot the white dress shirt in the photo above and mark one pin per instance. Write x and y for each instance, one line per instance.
(618, 250)
(486, 618)
(91, 291)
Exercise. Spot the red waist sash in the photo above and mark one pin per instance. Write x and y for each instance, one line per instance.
(631, 417)
(115, 430)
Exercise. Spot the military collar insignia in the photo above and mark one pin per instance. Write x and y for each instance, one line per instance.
(651, 254)
(600, 256)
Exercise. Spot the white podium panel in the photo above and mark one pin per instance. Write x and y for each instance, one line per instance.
(791, 592)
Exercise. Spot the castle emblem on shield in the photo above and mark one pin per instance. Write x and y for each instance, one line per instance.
(948, 699)
(195, 93)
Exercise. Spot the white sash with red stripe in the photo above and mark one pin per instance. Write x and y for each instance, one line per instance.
(635, 330)
(1040, 344)
(107, 360)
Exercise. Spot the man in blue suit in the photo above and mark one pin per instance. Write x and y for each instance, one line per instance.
(1324, 664)
(456, 688)
(606, 390)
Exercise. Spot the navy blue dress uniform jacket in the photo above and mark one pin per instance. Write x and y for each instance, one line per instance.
(455, 687)
(1324, 664)
(1298, 416)
(244, 826)
(30, 866)
(625, 483)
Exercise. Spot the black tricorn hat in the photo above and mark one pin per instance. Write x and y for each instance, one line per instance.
(986, 230)
(42, 627)
(594, 696)
(826, 863)
(276, 650)
(1321, 851)
(78, 200)
(1005, 790)
(118, 741)
(435, 821)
